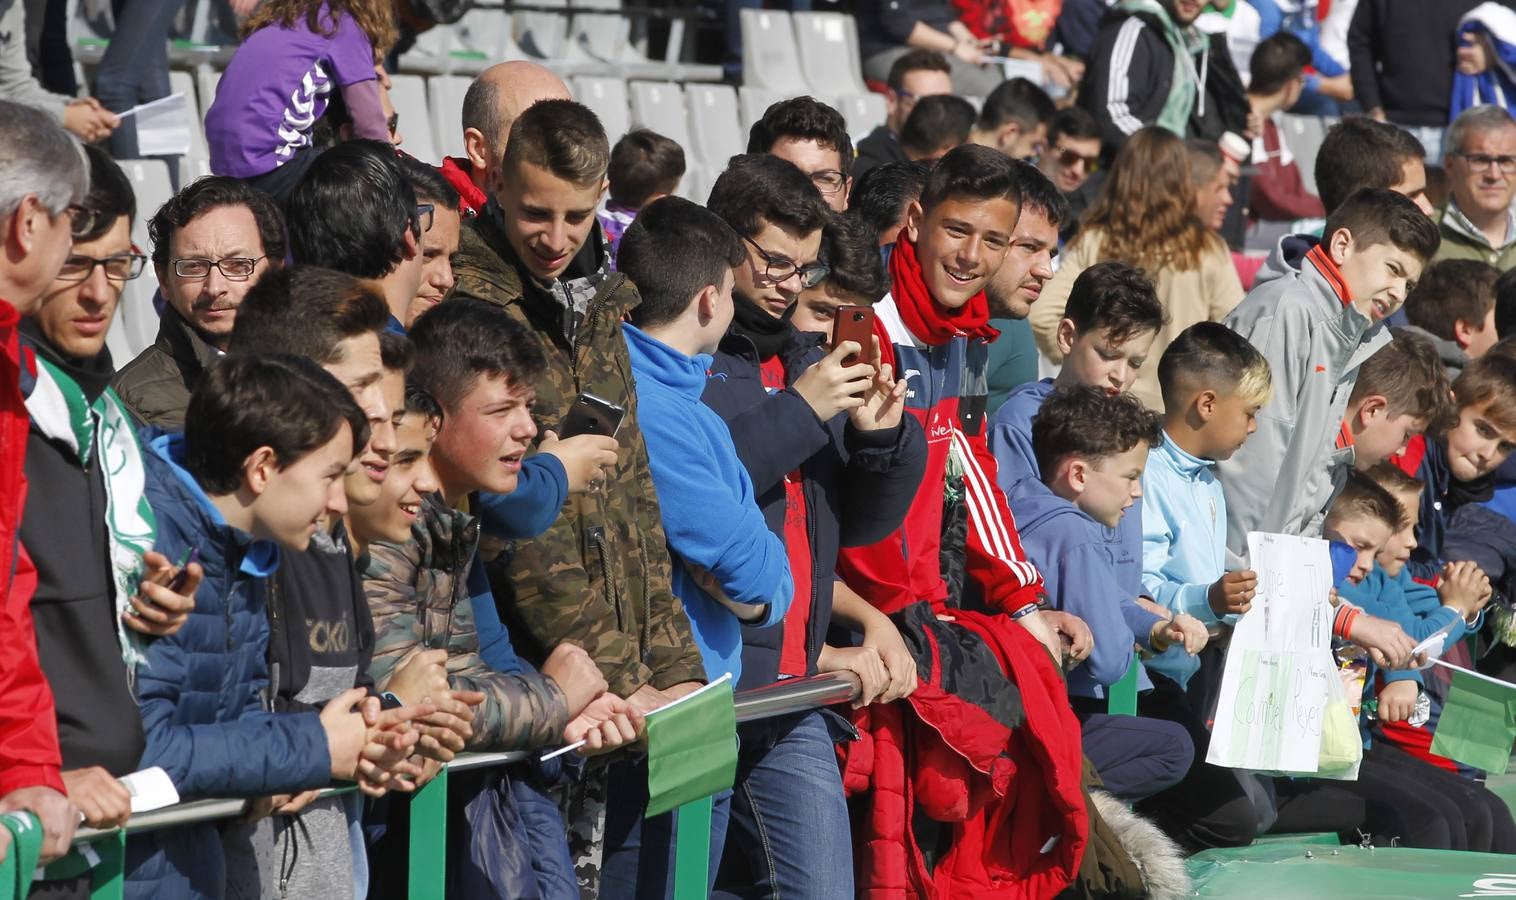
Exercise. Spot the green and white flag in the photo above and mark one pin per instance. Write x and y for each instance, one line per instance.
(691, 747)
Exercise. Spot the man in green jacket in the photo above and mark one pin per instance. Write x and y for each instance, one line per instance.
(1477, 223)
(599, 577)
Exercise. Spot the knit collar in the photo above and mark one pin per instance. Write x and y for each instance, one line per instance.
(768, 334)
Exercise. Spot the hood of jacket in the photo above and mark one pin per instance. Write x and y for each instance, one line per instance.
(1037, 508)
(181, 492)
(684, 375)
(1286, 257)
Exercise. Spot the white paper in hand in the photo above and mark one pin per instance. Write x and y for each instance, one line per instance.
(1435, 644)
(150, 789)
(163, 126)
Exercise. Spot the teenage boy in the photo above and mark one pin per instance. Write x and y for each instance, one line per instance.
(260, 464)
(82, 524)
(843, 473)
(937, 125)
(1401, 391)
(813, 136)
(212, 241)
(439, 242)
(354, 211)
(915, 74)
(1453, 305)
(958, 538)
(1014, 119)
(1068, 519)
(1316, 327)
(46, 177)
(1018, 283)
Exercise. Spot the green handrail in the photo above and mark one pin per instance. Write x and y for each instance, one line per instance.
(1121, 697)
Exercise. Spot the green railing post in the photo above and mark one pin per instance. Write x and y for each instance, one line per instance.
(108, 879)
(692, 850)
(1121, 697)
(427, 874)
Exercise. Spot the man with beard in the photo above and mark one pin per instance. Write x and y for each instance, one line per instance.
(1018, 283)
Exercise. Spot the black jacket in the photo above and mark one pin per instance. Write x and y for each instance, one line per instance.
(880, 147)
(885, 24)
(1402, 54)
(858, 485)
(1124, 98)
(74, 608)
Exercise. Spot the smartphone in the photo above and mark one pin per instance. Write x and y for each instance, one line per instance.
(854, 323)
(591, 415)
(176, 584)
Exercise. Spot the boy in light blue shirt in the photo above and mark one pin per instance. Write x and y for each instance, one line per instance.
(1214, 382)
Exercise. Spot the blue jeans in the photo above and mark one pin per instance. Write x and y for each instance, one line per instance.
(639, 851)
(134, 68)
(789, 814)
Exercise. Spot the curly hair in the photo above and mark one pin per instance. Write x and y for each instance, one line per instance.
(375, 17)
(1145, 214)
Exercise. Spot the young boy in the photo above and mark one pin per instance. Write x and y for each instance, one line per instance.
(1401, 391)
(259, 466)
(1454, 305)
(729, 568)
(855, 277)
(1316, 327)
(1068, 518)
(644, 166)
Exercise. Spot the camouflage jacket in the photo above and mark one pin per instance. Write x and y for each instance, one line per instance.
(419, 596)
(599, 577)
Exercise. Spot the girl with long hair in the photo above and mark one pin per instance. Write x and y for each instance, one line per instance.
(1145, 216)
(294, 54)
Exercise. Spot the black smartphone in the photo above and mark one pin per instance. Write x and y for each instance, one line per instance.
(591, 415)
(176, 584)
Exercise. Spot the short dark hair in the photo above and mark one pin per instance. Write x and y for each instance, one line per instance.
(213, 192)
(1079, 420)
(276, 400)
(110, 194)
(917, 60)
(1379, 215)
(1359, 153)
(979, 173)
(463, 339)
(937, 121)
(1363, 498)
(1450, 291)
(1040, 194)
(1408, 373)
(1505, 304)
(396, 352)
(1395, 480)
(307, 311)
(1211, 356)
(1017, 100)
(1073, 122)
(1116, 297)
(1490, 379)
(644, 163)
(1277, 60)
(420, 401)
(672, 251)
(757, 188)
(563, 137)
(851, 250)
(802, 118)
(428, 183)
(882, 194)
(351, 209)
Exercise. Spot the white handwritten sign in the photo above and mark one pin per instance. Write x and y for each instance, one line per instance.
(1274, 687)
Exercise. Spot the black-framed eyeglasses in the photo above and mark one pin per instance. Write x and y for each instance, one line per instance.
(120, 267)
(424, 215)
(81, 219)
(828, 181)
(780, 268)
(233, 268)
(1481, 162)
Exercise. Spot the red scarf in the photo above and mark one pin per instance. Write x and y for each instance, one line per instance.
(930, 321)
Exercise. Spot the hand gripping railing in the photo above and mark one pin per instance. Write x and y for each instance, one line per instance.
(428, 828)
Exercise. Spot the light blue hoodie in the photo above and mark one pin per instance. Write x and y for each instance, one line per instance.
(1183, 542)
(710, 516)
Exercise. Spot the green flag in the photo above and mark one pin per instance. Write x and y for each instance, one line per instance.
(691, 747)
(21, 859)
(1478, 724)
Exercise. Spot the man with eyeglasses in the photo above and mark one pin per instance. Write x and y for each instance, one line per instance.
(917, 74)
(211, 243)
(812, 136)
(1481, 162)
(43, 180)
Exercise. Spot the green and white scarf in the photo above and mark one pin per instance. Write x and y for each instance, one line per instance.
(60, 410)
(1188, 84)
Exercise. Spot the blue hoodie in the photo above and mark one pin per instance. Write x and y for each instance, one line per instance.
(1088, 571)
(710, 515)
(1183, 542)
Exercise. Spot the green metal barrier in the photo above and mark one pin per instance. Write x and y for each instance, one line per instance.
(427, 873)
(1121, 698)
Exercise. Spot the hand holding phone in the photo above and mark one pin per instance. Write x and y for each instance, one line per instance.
(165, 595)
(856, 324)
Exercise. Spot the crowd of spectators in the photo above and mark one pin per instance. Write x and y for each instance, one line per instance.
(331, 526)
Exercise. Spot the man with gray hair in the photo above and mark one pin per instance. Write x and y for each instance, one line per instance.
(492, 104)
(43, 178)
(1481, 162)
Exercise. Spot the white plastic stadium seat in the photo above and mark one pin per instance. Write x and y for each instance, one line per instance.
(541, 35)
(770, 58)
(408, 93)
(445, 93)
(198, 158)
(716, 132)
(863, 112)
(1304, 134)
(606, 97)
(829, 55)
(659, 105)
(753, 102)
(136, 322)
(206, 81)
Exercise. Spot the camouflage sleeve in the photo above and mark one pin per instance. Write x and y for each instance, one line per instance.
(672, 654)
(520, 710)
